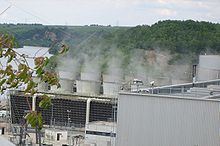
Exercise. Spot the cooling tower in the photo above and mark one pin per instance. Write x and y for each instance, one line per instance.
(66, 86)
(111, 84)
(90, 76)
(67, 75)
(209, 67)
(110, 88)
(88, 87)
(66, 80)
(89, 83)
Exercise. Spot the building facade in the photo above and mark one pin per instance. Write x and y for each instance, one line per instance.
(162, 120)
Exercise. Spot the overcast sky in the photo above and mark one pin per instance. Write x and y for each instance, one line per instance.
(107, 12)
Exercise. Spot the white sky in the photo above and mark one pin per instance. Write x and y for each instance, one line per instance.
(105, 12)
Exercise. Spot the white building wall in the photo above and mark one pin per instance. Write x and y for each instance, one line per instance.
(209, 67)
(51, 135)
(149, 120)
(100, 139)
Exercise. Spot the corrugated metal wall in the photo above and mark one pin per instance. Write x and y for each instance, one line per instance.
(161, 121)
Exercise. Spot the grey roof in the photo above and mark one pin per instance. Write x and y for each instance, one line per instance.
(5, 142)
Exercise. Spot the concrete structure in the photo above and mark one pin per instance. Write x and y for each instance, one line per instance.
(91, 76)
(162, 120)
(100, 133)
(209, 67)
(111, 84)
(66, 82)
(66, 86)
(89, 84)
(87, 87)
(110, 88)
(54, 136)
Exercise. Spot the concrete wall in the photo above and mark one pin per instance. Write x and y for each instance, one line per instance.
(99, 133)
(88, 87)
(51, 135)
(66, 86)
(150, 120)
(110, 88)
(205, 74)
(209, 67)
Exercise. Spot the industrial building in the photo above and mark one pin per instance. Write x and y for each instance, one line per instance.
(69, 103)
(165, 120)
(168, 115)
(184, 114)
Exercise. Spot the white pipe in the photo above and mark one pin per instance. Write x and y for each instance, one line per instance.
(88, 110)
(211, 96)
(34, 102)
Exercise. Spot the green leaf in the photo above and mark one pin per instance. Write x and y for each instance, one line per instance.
(14, 84)
(39, 71)
(33, 91)
(45, 103)
(1, 53)
(35, 119)
(32, 119)
(21, 66)
(11, 56)
(46, 61)
(2, 82)
(40, 121)
(30, 86)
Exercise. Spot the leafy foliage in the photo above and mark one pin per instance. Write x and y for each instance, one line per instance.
(35, 119)
(12, 77)
(178, 37)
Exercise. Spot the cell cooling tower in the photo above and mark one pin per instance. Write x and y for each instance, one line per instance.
(66, 86)
(89, 83)
(90, 76)
(209, 67)
(66, 80)
(111, 84)
(88, 87)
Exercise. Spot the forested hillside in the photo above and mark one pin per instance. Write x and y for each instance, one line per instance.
(176, 36)
(180, 38)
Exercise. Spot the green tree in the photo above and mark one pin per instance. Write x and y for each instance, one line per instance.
(13, 77)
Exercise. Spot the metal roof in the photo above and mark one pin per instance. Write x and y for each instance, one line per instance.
(5, 142)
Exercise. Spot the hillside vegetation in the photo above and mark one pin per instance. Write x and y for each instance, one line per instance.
(180, 38)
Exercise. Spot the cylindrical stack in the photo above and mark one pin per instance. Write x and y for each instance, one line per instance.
(112, 81)
(66, 82)
(209, 67)
(89, 83)
(111, 84)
